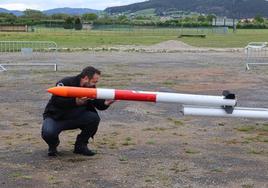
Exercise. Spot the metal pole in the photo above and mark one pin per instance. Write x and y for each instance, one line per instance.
(238, 112)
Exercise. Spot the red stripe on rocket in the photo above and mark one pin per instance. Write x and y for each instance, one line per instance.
(134, 96)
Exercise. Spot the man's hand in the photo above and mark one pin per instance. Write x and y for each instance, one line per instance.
(81, 101)
(109, 102)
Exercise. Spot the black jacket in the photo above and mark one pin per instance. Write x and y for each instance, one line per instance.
(58, 107)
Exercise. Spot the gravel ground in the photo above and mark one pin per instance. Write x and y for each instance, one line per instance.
(139, 144)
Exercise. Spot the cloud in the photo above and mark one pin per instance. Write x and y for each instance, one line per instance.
(18, 6)
(49, 4)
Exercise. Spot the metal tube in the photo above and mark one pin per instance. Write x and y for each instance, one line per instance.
(239, 112)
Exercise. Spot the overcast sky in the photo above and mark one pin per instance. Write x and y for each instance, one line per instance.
(49, 4)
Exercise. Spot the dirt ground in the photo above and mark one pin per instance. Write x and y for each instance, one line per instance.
(139, 144)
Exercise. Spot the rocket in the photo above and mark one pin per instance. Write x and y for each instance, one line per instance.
(193, 105)
(227, 99)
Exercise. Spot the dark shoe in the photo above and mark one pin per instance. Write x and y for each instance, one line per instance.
(83, 150)
(52, 151)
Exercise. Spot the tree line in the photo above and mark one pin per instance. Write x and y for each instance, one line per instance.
(35, 17)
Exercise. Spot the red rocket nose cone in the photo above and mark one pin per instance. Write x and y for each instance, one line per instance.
(59, 91)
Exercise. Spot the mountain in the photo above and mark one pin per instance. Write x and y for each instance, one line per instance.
(15, 12)
(71, 11)
(229, 8)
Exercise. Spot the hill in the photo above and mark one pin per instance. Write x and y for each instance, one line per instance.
(66, 10)
(72, 11)
(15, 12)
(229, 8)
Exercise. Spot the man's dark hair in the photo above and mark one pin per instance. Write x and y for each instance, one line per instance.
(89, 72)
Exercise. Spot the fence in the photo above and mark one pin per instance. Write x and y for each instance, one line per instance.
(160, 30)
(14, 28)
(137, 30)
(257, 54)
(28, 53)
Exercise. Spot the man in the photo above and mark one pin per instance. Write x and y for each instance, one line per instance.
(62, 113)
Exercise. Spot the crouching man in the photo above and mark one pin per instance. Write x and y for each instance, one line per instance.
(62, 113)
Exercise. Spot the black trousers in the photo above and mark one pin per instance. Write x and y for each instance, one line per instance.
(80, 118)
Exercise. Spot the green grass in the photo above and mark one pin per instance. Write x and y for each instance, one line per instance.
(247, 185)
(191, 151)
(246, 128)
(150, 142)
(256, 152)
(128, 142)
(218, 169)
(258, 138)
(169, 83)
(264, 128)
(20, 175)
(87, 39)
(239, 39)
(123, 158)
(83, 39)
(175, 121)
(155, 129)
(146, 12)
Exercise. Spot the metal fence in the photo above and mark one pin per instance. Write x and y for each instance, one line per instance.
(137, 30)
(160, 30)
(257, 54)
(28, 54)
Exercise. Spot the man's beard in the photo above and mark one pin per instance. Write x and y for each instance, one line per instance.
(89, 86)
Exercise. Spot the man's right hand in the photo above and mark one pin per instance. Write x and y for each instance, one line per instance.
(81, 101)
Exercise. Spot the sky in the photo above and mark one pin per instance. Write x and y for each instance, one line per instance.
(49, 4)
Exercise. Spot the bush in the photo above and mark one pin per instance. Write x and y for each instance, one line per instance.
(252, 26)
(77, 24)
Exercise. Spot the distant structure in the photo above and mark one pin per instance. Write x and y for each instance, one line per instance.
(257, 54)
(87, 26)
(225, 22)
(13, 28)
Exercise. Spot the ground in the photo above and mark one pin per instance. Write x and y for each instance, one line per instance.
(139, 144)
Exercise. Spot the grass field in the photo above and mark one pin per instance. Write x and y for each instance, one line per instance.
(239, 39)
(137, 37)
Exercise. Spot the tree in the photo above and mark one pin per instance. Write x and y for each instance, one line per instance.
(90, 17)
(210, 17)
(33, 14)
(60, 16)
(8, 17)
(122, 17)
(188, 19)
(78, 24)
(139, 17)
(69, 23)
(201, 18)
(259, 19)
